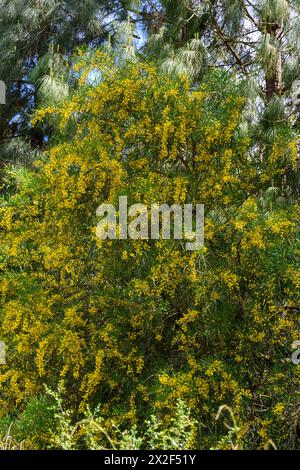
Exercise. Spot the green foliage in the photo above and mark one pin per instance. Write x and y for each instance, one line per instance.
(37, 40)
(180, 434)
(145, 327)
(31, 426)
(46, 423)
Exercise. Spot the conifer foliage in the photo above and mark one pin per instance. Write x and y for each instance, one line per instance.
(140, 343)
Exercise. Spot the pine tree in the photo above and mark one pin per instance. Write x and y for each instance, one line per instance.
(37, 39)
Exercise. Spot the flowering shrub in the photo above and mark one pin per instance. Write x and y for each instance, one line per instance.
(140, 324)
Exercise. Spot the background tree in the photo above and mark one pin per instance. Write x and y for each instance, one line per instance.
(251, 37)
(37, 38)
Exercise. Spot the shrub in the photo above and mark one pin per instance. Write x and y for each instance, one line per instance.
(139, 324)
